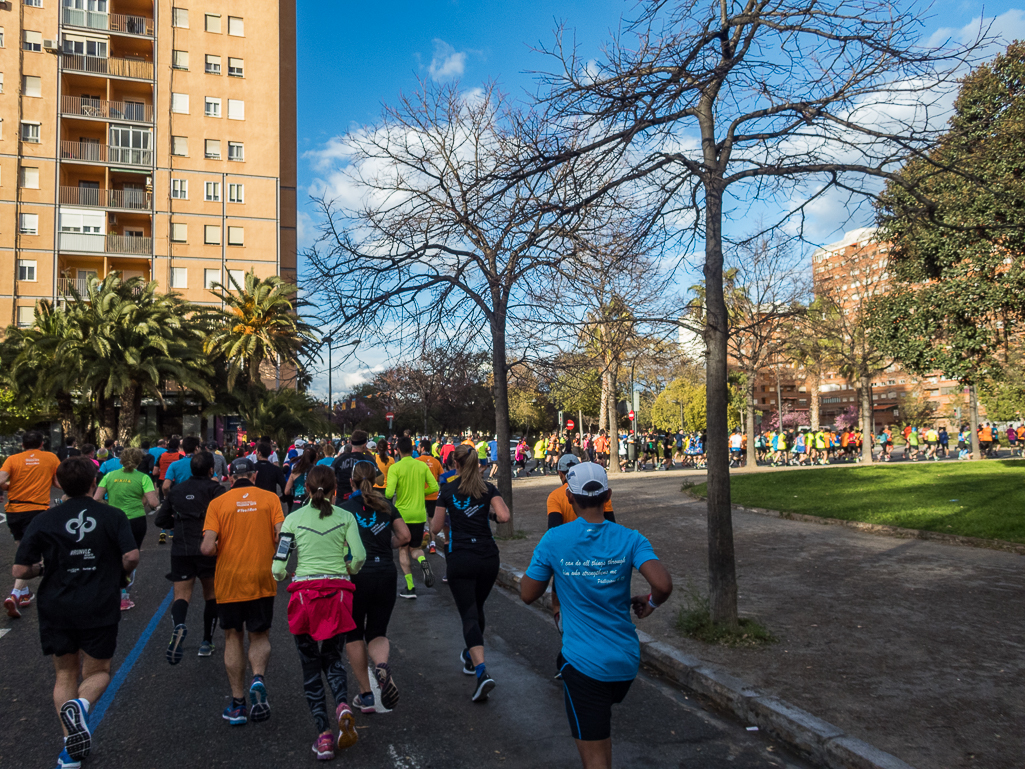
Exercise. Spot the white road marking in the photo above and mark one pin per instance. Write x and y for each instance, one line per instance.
(4, 632)
(401, 762)
(3, 518)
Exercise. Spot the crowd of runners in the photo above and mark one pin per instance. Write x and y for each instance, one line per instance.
(327, 519)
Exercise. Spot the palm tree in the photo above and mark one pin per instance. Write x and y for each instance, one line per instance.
(259, 322)
(281, 414)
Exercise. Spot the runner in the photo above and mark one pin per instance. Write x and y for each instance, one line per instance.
(344, 463)
(88, 550)
(473, 559)
(520, 455)
(436, 469)
(383, 458)
(181, 469)
(382, 529)
(241, 529)
(27, 477)
(295, 487)
(269, 476)
(600, 651)
(601, 448)
(329, 549)
(409, 483)
(540, 447)
(129, 490)
(184, 510)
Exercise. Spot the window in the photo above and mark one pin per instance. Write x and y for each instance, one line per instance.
(236, 151)
(1, 79)
(212, 234)
(33, 41)
(29, 178)
(179, 232)
(213, 64)
(236, 193)
(1, 37)
(180, 146)
(213, 23)
(236, 236)
(31, 85)
(236, 109)
(210, 277)
(236, 27)
(29, 224)
(34, 3)
(180, 103)
(179, 277)
(213, 149)
(212, 191)
(213, 107)
(180, 189)
(180, 17)
(235, 67)
(239, 277)
(180, 59)
(27, 270)
(25, 316)
(30, 132)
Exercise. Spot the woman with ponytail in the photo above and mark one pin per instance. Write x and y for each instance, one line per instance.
(472, 561)
(382, 529)
(330, 550)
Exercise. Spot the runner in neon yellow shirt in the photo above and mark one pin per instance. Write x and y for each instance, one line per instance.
(409, 484)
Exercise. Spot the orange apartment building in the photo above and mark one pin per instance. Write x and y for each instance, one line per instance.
(152, 137)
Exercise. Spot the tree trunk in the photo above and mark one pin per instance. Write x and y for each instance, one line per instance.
(66, 412)
(108, 419)
(749, 394)
(603, 408)
(131, 403)
(722, 568)
(613, 412)
(501, 378)
(973, 416)
(813, 401)
(865, 385)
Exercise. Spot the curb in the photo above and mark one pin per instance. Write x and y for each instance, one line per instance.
(809, 736)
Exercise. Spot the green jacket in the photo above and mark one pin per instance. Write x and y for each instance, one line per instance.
(409, 483)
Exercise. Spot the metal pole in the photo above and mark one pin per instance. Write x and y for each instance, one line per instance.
(330, 409)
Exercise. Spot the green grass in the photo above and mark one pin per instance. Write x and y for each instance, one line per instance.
(694, 620)
(974, 499)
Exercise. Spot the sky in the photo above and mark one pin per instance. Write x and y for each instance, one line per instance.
(377, 50)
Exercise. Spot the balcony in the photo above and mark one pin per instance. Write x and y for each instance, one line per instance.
(87, 152)
(134, 200)
(98, 243)
(128, 111)
(113, 66)
(110, 22)
(69, 286)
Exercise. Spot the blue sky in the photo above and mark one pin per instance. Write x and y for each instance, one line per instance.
(356, 56)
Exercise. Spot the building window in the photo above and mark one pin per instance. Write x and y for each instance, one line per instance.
(34, 3)
(31, 85)
(30, 132)
(180, 146)
(210, 277)
(236, 109)
(1, 79)
(236, 193)
(213, 149)
(29, 178)
(180, 189)
(33, 41)
(27, 270)
(29, 224)
(212, 191)
(179, 232)
(179, 277)
(236, 236)
(238, 277)
(213, 23)
(236, 151)
(235, 27)
(180, 17)
(212, 234)
(235, 67)
(25, 316)
(213, 64)
(180, 59)
(213, 107)
(1, 37)
(180, 103)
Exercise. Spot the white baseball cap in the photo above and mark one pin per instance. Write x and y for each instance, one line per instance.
(587, 479)
(371, 445)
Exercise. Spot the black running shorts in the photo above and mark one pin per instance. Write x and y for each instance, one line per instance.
(416, 534)
(257, 615)
(98, 642)
(184, 567)
(589, 702)
(18, 522)
(372, 603)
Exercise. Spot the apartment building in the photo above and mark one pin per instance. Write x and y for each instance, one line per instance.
(152, 137)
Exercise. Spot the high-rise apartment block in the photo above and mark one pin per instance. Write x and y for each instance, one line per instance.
(152, 137)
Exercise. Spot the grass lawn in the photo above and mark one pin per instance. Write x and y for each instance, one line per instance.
(975, 499)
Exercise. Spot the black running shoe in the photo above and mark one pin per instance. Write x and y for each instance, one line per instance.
(78, 743)
(389, 691)
(428, 574)
(484, 686)
(174, 648)
(468, 667)
(407, 592)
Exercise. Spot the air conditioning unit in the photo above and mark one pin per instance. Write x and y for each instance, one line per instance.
(51, 45)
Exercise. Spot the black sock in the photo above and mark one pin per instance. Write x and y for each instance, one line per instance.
(209, 619)
(236, 701)
(179, 609)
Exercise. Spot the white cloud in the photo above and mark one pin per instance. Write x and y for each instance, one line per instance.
(1006, 27)
(447, 63)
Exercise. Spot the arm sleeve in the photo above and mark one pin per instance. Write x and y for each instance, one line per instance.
(540, 568)
(164, 517)
(102, 482)
(432, 482)
(554, 519)
(355, 543)
(389, 487)
(147, 484)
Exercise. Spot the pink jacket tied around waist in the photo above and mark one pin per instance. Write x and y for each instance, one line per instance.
(321, 608)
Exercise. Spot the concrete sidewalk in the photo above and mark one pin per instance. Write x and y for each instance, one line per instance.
(913, 646)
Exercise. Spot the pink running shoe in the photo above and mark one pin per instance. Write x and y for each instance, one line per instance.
(126, 602)
(25, 600)
(11, 604)
(347, 735)
(324, 747)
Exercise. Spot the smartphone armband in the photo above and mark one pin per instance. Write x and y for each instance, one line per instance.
(285, 545)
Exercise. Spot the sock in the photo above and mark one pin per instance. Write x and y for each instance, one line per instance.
(85, 704)
(236, 701)
(20, 591)
(179, 610)
(209, 619)
(409, 581)
(480, 670)
(421, 558)
(257, 677)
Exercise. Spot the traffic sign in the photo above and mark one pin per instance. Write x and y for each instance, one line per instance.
(570, 424)
(631, 415)
(389, 415)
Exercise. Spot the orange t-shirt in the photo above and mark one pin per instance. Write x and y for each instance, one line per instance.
(601, 444)
(165, 462)
(31, 476)
(986, 434)
(1021, 433)
(244, 519)
(435, 467)
(559, 503)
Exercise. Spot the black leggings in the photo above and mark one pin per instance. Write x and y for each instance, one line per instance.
(372, 604)
(138, 526)
(317, 660)
(471, 577)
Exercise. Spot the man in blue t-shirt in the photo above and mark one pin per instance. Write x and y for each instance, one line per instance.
(592, 561)
(181, 470)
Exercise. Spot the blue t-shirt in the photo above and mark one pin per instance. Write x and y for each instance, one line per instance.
(493, 450)
(445, 477)
(179, 470)
(112, 464)
(326, 461)
(592, 564)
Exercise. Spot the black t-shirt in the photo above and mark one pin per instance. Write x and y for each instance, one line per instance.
(343, 469)
(81, 543)
(184, 510)
(269, 476)
(468, 518)
(375, 530)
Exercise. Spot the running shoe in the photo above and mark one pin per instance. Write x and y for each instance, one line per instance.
(406, 592)
(468, 668)
(445, 579)
(11, 603)
(126, 602)
(25, 600)
(324, 747)
(260, 708)
(484, 686)
(433, 548)
(347, 734)
(206, 649)
(235, 714)
(364, 703)
(425, 566)
(163, 539)
(78, 743)
(389, 691)
(174, 647)
(64, 761)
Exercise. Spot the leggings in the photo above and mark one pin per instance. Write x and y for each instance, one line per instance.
(138, 526)
(471, 577)
(326, 659)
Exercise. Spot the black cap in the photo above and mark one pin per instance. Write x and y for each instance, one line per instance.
(242, 466)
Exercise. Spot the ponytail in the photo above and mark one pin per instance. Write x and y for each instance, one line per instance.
(320, 483)
(364, 474)
(470, 481)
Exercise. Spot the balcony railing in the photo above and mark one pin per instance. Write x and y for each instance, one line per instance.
(114, 66)
(114, 22)
(86, 106)
(98, 243)
(65, 286)
(137, 200)
(102, 153)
